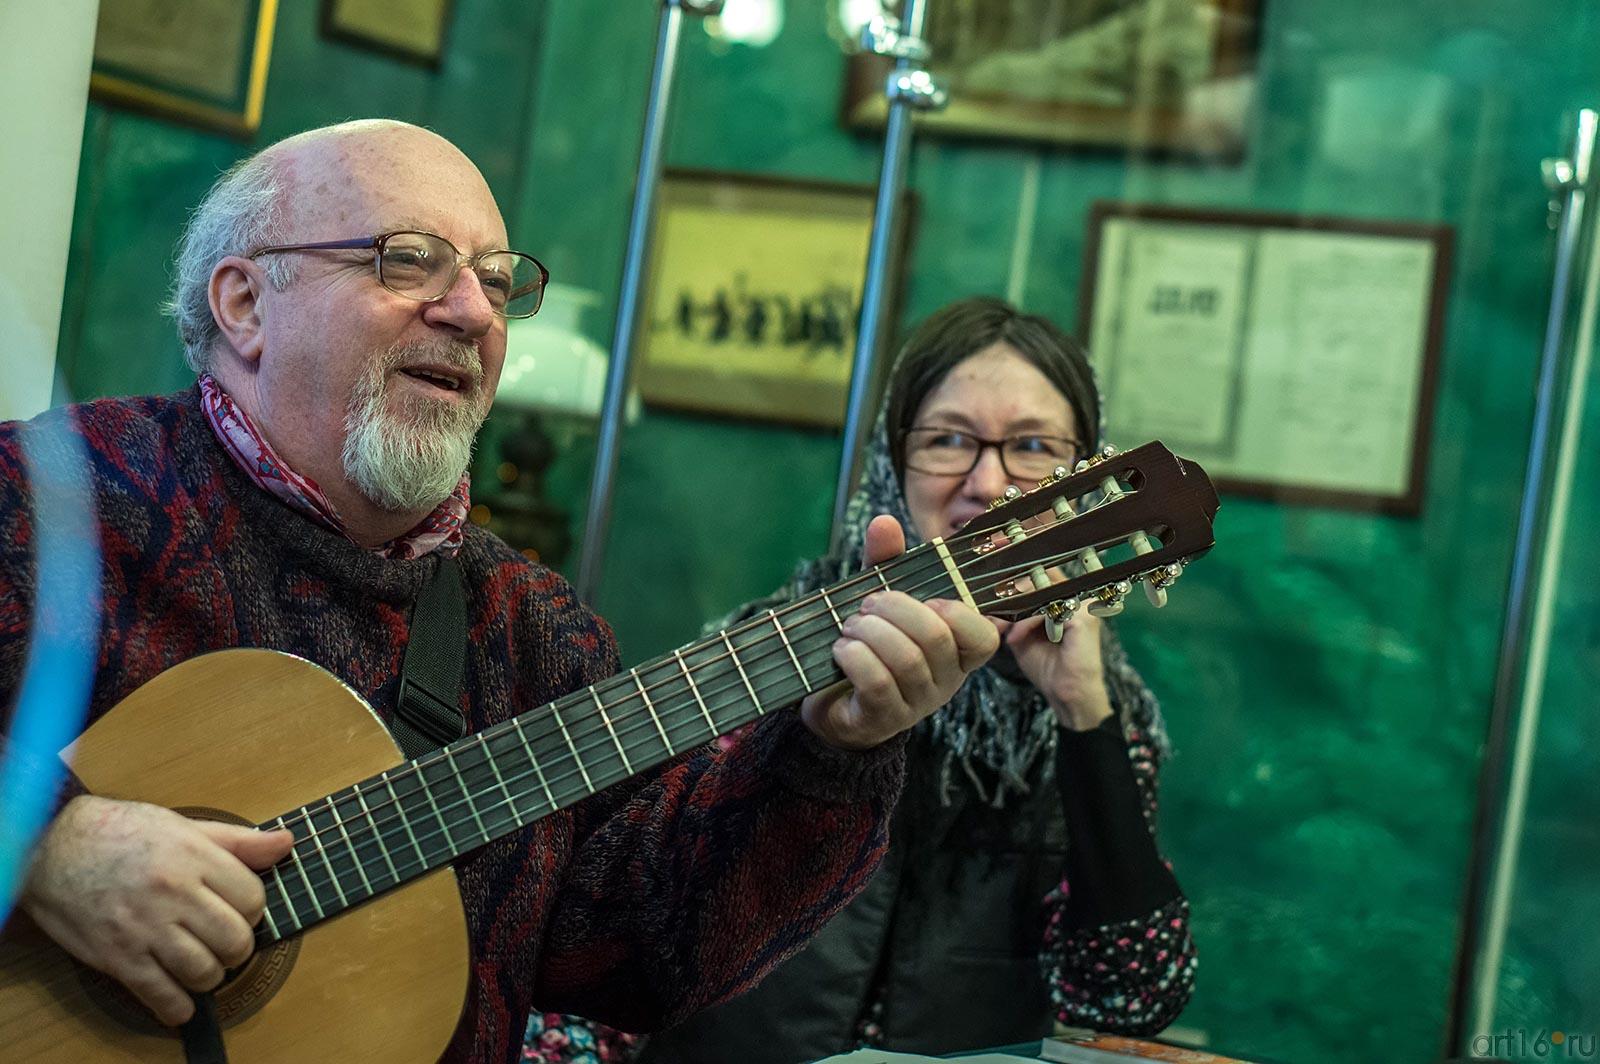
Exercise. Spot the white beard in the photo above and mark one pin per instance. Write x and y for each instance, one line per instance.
(413, 458)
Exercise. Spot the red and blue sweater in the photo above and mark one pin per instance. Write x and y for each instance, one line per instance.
(652, 900)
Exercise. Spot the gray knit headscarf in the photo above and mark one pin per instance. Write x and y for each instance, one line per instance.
(998, 725)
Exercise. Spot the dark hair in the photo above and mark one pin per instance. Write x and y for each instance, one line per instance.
(950, 336)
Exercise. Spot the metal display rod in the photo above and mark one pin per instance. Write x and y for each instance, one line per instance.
(908, 87)
(1525, 639)
(631, 296)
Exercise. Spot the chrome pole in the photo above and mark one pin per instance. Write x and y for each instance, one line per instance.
(1514, 710)
(631, 297)
(909, 87)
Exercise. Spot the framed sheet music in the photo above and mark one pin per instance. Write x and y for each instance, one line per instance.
(1294, 357)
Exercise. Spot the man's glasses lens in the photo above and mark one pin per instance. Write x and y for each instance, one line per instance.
(946, 453)
(423, 266)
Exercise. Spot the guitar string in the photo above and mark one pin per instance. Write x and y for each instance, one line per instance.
(918, 557)
(769, 649)
(632, 721)
(628, 716)
(830, 609)
(922, 555)
(374, 835)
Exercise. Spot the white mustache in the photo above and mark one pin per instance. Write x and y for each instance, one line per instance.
(455, 355)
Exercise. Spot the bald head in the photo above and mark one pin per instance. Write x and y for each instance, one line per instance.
(352, 179)
(337, 174)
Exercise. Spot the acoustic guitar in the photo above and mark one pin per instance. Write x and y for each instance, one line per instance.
(365, 909)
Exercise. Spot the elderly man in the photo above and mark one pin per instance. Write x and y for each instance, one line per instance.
(342, 296)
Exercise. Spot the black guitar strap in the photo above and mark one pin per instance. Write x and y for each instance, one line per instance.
(426, 718)
(428, 715)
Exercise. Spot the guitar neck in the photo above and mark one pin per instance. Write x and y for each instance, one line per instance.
(393, 827)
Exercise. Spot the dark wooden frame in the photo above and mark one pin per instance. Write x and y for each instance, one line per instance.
(335, 32)
(1407, 504)
(807, 403)
(1153, 132)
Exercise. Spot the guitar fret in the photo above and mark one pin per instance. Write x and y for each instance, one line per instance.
(377, 833)
(511, 803)
(884, 580)
(587, 782)
(316, 840)
(626, 764)
(734, 654)
(772, 615)
(427, 792)
(826, 601)
(466, 795)
(294, 858)
(355, 857)
(650, 706)
(266, 914)
(516, 722)
(405, 821)
(283, 892)
(695, 690)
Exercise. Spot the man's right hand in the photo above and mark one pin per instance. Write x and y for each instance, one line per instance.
(161, 903)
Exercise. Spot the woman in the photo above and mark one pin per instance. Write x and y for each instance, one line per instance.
(1022, 884)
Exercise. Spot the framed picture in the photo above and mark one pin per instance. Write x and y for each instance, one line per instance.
(1294, 357)
(199, 61)
(754, 294)
(412, 30)
(1158, 76)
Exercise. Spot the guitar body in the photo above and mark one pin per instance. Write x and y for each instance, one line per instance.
(245, 735)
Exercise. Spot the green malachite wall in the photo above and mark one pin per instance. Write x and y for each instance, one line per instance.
(1325, 674)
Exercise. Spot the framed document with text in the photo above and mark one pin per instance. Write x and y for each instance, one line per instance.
(198, 61)
(1294, 357)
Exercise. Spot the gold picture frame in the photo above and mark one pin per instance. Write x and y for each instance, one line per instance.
(753, 295)
(1159, 77)
(203, 62)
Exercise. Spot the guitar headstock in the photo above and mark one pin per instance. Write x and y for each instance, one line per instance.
(1085, 536)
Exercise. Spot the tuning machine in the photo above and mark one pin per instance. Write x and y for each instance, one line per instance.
(1056, 616)
(1157, 581)
(1108, 601)
(1012, 494)
(1103, 454)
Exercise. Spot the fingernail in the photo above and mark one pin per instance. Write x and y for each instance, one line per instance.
(870, 603)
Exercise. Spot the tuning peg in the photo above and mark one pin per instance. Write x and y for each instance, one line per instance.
(1095, 459)
(1140, 542)
(1056, 616)
(1157, 582)
(1108, 600)
(1012, 493)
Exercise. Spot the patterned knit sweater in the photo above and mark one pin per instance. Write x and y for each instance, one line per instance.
(639, 906)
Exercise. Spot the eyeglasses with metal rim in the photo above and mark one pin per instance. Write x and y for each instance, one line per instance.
(954, 453)
(424, 266)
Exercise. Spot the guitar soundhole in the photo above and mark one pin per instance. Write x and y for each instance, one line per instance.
(242, 993)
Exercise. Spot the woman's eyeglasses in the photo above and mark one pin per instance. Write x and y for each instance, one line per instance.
(948, 452)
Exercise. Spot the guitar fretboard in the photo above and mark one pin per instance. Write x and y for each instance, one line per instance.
(390, 828)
